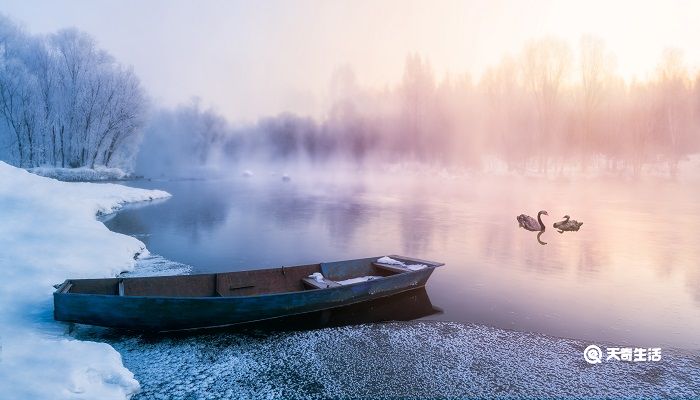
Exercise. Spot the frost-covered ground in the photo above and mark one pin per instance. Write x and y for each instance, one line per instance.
(48, 232)
(83, 174)
(392, 360)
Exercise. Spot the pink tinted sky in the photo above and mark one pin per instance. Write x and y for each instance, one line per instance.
(249, 59)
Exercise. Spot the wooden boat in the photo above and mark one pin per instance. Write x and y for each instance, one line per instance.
(164, 303)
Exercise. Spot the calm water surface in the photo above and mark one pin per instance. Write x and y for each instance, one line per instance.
(631, 275)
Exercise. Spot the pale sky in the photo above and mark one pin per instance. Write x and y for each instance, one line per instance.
(254, 58)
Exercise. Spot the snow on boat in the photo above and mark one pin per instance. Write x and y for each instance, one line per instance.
(163, 303)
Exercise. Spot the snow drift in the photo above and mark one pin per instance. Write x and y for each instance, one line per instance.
(48, 232)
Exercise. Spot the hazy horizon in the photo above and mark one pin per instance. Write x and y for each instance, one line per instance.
(240, 58)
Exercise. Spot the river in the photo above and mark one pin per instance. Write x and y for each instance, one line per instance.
(631, 275)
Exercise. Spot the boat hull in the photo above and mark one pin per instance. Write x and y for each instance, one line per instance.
(154, 313)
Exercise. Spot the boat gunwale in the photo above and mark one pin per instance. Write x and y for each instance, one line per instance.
(408, 272)
(428, 264)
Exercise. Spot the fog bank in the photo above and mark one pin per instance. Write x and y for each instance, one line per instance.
(544, 111)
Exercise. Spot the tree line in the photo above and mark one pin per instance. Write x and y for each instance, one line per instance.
(65, 102)
(545, 109)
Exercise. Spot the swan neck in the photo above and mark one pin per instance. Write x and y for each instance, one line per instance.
(539, 219)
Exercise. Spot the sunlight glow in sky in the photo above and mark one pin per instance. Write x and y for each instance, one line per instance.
(249, 59)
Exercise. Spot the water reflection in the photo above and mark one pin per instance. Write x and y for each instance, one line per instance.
(628, 256)
(406, 306)
(417, 227)
(200, 207)
(540, 240)
(341, 214)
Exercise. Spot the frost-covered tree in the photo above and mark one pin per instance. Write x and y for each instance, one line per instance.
(65, 102)
(181, 139)
(545, 65)
(673, 108)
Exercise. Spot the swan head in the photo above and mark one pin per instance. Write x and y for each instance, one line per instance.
(543, 212)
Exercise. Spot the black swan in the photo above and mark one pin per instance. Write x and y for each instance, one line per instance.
(567, 225)
(530, 223)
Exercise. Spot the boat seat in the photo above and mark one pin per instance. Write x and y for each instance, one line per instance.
(320, 285)
(391, 268)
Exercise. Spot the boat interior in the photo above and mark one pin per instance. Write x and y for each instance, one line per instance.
(243, 283)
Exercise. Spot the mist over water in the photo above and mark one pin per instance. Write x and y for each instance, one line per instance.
(438, 168)
(603, 283)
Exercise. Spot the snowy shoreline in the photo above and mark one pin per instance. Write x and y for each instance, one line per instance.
(83, 174)
(49, 232)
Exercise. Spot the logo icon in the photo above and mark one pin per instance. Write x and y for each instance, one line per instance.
(593, 354)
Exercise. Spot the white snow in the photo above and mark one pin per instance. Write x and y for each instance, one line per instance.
(317, 276)
(391, 261)
(359, 279)
(48, 232)
(156, 265)
(83, 174)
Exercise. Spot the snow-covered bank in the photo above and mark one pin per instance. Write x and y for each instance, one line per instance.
(83, 174)
(48, 232)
